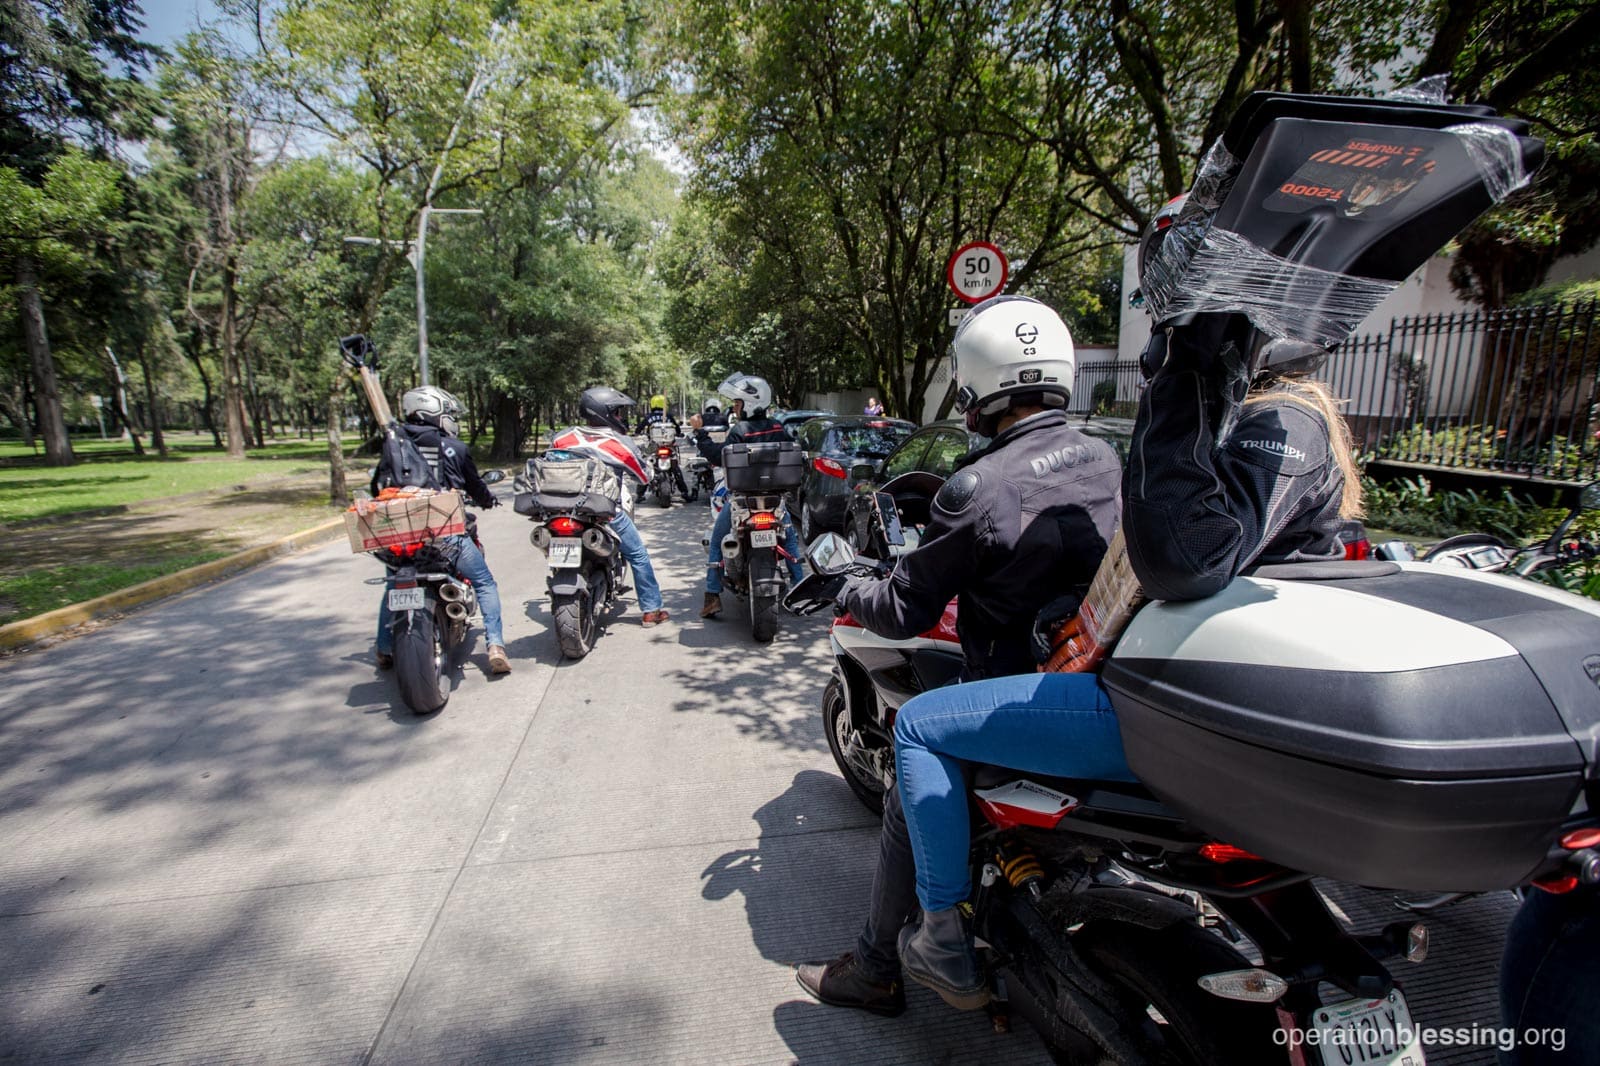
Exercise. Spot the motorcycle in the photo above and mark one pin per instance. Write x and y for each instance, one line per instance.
(1487, 553)
(753, 553)
(1112, 915)
(665, 469)
(571, 503)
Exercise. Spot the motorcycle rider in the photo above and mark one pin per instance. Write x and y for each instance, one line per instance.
(713, 418)
(606, 438)
(432, 420)
(1018, 521)
(752, 394)
(658, 414)
(1227, 468)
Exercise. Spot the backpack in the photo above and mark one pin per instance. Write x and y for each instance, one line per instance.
(401, 463)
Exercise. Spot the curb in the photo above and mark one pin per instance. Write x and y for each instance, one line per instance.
(32, 630)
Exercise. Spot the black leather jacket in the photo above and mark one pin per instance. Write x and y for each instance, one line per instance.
(451, 461)
(1199, 510)
(1018, 524)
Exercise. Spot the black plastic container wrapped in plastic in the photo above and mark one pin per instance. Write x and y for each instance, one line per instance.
(775, 467)
(1409, 727)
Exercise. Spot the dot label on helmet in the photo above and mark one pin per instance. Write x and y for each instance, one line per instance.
(1030, 376)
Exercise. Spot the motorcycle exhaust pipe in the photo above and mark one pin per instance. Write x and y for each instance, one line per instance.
(455, 610)
(597, 542)
(540, 538)
(450, 592)
(730, 547)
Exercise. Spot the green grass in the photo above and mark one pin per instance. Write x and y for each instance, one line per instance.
(29, 489)
(46, 590)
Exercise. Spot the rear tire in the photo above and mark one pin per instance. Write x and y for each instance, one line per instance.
(763, 617)
(1160, 968)
(663, 492)
(575, 623)
(419, 664)
(858, 773)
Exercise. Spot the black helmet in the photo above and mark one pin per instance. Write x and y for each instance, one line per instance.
(600, 405)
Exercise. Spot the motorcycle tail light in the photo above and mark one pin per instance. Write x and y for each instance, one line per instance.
(565, 527)
(1557, 884)
(1221, 853)
(830, 467)
(405, 551)
(664, 452)
(763, 520)
(1579, 839)
(1245, 986)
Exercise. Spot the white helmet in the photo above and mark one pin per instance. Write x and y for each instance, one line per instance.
(754, 391)
(434, 406)
(1010, 346)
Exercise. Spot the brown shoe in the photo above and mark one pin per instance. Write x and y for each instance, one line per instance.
(655, 618)
(383, 659)
(712, 607)
(841, 983)
(499, 662)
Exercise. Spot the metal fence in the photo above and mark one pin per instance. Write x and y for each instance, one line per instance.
(1106, 387)
(1514, 391)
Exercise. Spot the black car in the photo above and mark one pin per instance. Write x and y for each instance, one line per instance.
(934, 450)
(835, 449)
(793, 420)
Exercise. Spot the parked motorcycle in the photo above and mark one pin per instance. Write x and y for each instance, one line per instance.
(753, 553)
(1112, 913)
(571, 502)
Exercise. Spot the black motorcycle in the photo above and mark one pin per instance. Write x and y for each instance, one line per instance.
(754, 559)
(585, 567)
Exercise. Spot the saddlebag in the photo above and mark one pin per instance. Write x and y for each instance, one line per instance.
(775, 467)
(1392, 725)
(567, 483)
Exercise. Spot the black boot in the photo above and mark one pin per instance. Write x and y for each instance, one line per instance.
(937, 951)
(841, 983)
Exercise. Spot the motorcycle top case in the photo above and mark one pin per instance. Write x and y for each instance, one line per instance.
(1396, 725)
(575, 484)
(775, 467)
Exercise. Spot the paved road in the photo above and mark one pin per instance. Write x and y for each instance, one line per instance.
(223, 838)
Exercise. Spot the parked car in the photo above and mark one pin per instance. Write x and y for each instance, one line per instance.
(934, 451)
(792, 420)
(836, 450)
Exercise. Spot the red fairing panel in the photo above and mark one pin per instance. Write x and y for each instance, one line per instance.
(1023, 802)
(604, 445)
(946, 629)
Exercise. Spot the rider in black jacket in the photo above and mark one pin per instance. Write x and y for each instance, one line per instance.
(1020, 522)
(431, 424)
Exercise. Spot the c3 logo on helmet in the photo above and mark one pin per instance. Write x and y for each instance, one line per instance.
(1027, 333)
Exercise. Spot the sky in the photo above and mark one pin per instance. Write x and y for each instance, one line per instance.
(167, 20)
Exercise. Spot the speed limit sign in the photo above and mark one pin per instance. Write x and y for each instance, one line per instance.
(977, 271)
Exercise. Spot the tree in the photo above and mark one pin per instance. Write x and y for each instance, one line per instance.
(56, 89)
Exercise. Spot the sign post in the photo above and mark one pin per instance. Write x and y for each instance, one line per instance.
(977, 271)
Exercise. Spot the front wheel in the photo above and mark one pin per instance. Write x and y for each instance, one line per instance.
(575, 623)
(419, 664)
(852, 750)
(1156, 974)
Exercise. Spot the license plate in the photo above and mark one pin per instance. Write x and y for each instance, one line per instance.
(406, 599)
(763, 538)
(1366, 1032)
(663, 464)
(566, 553)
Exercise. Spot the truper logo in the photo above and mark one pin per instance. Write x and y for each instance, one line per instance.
(1278, 447)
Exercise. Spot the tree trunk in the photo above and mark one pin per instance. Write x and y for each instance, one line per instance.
(157, 438)
(205, 383)
(508, 429)
(338, 491)
(46, 398)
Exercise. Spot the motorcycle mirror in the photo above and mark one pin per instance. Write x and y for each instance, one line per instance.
(863, 471)
(830, 554)
(1394, 550)
(1589, 498)
(494, 477)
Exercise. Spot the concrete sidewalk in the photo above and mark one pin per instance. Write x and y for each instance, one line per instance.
(223, 838)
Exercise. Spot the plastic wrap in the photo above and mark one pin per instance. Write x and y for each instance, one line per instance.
(1497, 154)
(1429, 90)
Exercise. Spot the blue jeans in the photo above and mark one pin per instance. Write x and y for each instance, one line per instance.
(471, 565)
(633, 550)
(1059, 724)
(1550, 979)
(720, 529)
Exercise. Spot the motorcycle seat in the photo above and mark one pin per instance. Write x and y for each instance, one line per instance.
(1326, 570)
